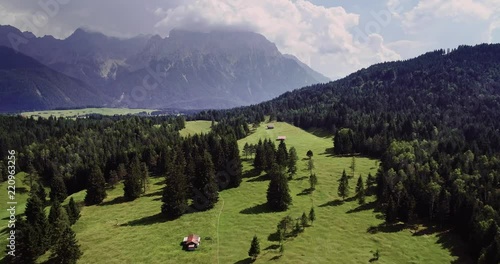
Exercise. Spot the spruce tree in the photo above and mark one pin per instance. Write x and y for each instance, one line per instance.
(246, 150)
(27, 249)
(58, 221)
(41, 193)
(310, 165)
(310, 154)
(292, 162)
(144, 177)
(259, 160)
(66, 250)
(234, 164)
(58, 189)
(304, 220)
(121, 171)
(282, 154)
(254, 250)
(360, 190)
(207, 190)
(343, 190)
(96, 190)
(175, 192)
(132, 186)
(370, 182)
(278, 193)
(312, 215)
(73, 211)
(113, 178)
(39, 226)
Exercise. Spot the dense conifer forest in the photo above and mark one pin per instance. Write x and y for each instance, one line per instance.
(433, 121)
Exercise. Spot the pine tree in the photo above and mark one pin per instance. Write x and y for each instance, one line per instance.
(58, 189)
(144, 177)
(175, 192)
(310, 154)
(282, 154)
(343, 190)
(121, 171)
(27, 250)
(278, 193)
(113, 178)
(132, 185)
(246, 150)
(41, 193)
(360, 190)
(353, 165)
(269, 155)
(207, 193)
(66, 250)
(254, 250)
(96, 190)
(304, 220)
(58, 221)
(313, 180)
(312, 215)
(234, 167)
(370, 182)
(292, 162)
(32, 177)
(310, 165)
(73, 211)
(259, 160)
(284, 225)
(36, 219)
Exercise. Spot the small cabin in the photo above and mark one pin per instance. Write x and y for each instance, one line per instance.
(270, 126)
(191, 242)
(281, 138)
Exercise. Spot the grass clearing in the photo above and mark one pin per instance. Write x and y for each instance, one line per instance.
(134, 232)
(196, 127)
(85, 111)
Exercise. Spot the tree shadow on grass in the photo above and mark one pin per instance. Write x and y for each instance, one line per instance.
(275, 257)
(363, 207)
(272, 247)
(160, 183)
(306, 191)
(148, 220)
(244, 261)
(456, 247)
(261, 178)
(386, 228)
(301, 178)
(257, 209)
(251, 173)
(332, 203)
(117, 200)
(157, 193)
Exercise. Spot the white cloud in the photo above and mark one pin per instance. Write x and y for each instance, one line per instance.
(319, 36)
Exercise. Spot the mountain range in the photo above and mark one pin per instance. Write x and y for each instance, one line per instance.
(186, 70)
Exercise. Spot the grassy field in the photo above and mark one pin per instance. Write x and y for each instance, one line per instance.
(134, 232)
(85, 111)
(196, 127)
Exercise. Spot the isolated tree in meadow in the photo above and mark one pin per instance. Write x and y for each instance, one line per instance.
(58, 189)
(282, 154)
(254, 250)
(304, 220)
(278, 193)
(175, 195)
(73, 211)
(343, 190)
(96, 190)
(284, 225)
(66, 250)
(360, 190)
(312, 215)
(313, 180)
(310, 154)
(292, 162)
(132, 186)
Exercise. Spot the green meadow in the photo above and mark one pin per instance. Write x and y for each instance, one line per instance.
(196, 127)
(134, 232)
(85, 111)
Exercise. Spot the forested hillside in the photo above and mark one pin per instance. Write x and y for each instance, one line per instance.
(433, 120)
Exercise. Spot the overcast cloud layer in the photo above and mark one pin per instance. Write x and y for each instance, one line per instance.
(332, 36)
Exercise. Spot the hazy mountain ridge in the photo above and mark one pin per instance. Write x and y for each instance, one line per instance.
(192, 70)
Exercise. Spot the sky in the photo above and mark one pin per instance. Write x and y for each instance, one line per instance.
(334, 37)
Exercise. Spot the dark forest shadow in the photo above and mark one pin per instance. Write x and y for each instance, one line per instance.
(261, 178)
(21, 190)
(456, 246)
(244, 261)
(332, 203)
(319, 132)
(386, 228)
(363, 207)
(157, 193)
(257, 209)
(160, 183)
(272, 247)
(250, 173)
(148, 220)
(117, 200)
(329, 152)
(275, 257)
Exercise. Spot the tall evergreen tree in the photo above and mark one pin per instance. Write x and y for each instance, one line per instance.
(292, 162)
(370, 182)
(343, 190)
(113, 178)
(310, 154)
(259, 160)
(310, 165)
(41, 193)
(96, 190)
(313, 180)
(144, 177)
(66, 250)
(132, 185)
(207, 190)
(278, 193)
(39, 226)
(58, 189)
(282, 154)
(58, 221)
(234, 164)
(27, 249)
(254, 250)
(304, 220)
(73, 211)
(312, 215)
(175, 192)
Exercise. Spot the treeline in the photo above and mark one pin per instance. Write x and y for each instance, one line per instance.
(446, 105)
